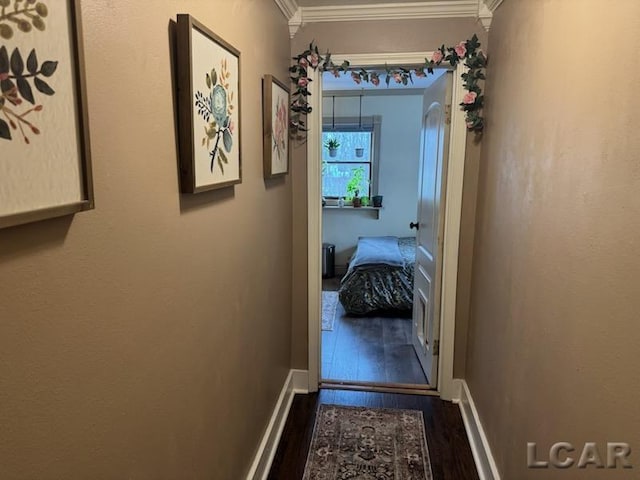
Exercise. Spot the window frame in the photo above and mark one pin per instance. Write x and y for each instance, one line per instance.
(369, 123)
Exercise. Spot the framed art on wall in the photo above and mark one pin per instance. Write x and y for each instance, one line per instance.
(208, 108)
(275, 121)
(45, 165)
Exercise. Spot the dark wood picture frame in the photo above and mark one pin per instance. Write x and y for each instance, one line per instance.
(17, 128)
(205, 159)
(275, 127)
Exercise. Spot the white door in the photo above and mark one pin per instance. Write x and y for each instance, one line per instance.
(430, 225)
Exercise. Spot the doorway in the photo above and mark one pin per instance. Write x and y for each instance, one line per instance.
(377, 139)
(451, 223)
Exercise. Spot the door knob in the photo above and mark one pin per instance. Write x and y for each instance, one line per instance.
(414, 225)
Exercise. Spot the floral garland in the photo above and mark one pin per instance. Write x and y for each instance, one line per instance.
(467, 51)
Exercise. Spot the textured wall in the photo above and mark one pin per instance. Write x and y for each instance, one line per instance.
(149, 338)
(382, 37)
(553, 343)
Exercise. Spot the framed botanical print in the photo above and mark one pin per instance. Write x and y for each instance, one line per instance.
(275, 124)
(208, 108)
(45, 166)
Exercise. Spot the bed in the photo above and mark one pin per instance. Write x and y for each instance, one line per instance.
(380, 276)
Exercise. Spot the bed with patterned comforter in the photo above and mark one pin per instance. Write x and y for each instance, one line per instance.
(381, 279)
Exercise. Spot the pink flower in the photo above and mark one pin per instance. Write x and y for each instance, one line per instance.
(397, 77)
(420, 73)
(375, 80)
(469, 124)
(437, 56)
(461, 49)
(303, 62)
(313, 59)
(303, 81)
(356, 77)
(469, 98)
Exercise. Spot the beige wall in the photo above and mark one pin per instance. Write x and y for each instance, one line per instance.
(553, 343)
(149, 338)
(382, 37)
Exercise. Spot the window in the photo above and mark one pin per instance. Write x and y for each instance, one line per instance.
(354, 164)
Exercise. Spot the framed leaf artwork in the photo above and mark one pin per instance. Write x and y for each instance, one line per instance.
(208, 108)
(45, 166)
(275, 125)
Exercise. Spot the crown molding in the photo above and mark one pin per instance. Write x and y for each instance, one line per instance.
(485, 15)
(390, 11)
(299, 16)
(492, 5)
(288, 7)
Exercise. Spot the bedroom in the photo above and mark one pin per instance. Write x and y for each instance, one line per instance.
(367, 339)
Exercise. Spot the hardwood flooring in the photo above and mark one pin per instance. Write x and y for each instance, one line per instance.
(369, 349)
(449, 450)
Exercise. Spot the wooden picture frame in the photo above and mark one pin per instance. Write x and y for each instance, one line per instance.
(45, 160)
(275, 127)
(208, 108)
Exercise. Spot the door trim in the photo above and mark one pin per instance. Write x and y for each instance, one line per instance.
(453, 212)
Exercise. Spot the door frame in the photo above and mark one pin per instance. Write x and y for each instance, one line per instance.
(453, 211)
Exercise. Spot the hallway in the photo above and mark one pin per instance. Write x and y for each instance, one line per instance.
(449, 449)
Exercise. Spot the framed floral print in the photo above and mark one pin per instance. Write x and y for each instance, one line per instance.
(208, 108)
(45, 166)
(275, 127)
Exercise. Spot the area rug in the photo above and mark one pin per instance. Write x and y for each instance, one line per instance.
(329, 306)
(360, 443)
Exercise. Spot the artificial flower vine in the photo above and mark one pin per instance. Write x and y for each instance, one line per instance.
(467, 51)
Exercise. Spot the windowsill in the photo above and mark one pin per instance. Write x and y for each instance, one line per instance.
(350, 208)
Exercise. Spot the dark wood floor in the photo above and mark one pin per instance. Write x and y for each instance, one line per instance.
(369, 349)
(449, 449)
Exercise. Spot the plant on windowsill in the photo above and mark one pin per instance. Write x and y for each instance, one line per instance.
(356, 201)
(332, 145)
(353, 186)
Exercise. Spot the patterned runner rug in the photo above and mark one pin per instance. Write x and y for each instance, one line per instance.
(329, 305)
(360, 443)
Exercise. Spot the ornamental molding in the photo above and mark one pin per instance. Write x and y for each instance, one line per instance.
(287, 7)
(391, 11)
(298, 16)
(485, 15)
(492, 5)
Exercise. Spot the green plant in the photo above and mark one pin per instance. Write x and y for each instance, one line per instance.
(355, 182)
(332, 144)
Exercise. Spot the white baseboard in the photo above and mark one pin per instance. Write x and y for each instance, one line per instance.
(297, 382)
(485, 463)
(300, 380)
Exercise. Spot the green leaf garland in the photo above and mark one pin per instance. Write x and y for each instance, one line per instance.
(467, 51)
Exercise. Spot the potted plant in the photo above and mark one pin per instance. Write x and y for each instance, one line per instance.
(332, 145)
(377, 201)
(359, 152)
(355, 183)
(356, 201)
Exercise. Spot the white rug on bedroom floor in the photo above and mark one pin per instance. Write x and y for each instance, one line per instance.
(329, 306)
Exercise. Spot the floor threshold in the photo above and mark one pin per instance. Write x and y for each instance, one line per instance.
(380, 387)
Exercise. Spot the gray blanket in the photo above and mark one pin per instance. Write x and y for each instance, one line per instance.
(377, 251)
